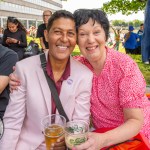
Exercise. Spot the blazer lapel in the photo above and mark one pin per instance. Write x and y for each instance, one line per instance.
(45, 88)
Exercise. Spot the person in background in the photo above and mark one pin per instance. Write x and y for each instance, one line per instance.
(15, 36)
(118, 100)
(41, 28)
(33, 101)
(8, 59)
(130, 41)
(1, 34)
(117, 33)
(145, 40)
(32, 31)
(140, 33)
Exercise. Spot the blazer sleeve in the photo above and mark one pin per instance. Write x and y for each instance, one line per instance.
(14, 115)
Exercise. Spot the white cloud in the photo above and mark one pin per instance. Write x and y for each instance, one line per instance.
(72, 5)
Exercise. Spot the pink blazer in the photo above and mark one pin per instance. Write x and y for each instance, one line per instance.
(32, 102)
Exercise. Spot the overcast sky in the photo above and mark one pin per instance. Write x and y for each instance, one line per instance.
(72, 5)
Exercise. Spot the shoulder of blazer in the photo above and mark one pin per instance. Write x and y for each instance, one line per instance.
(29, 63)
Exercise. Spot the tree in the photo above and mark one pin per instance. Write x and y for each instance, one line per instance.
(137, 23)
(126, 7)
(118, 23)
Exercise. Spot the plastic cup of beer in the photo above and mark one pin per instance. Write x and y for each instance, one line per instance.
(53, 128)
(76, 133)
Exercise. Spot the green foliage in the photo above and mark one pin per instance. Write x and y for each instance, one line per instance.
(126, 7)
(136, 23)
(29, 38)
(76, 51)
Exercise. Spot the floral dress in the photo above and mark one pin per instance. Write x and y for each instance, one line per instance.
(119, 85)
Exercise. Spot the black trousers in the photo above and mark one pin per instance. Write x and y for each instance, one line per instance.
(130, 51)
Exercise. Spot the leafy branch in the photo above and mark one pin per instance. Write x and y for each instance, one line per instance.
(126, 7)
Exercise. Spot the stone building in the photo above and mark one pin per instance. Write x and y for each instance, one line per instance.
(29, 12)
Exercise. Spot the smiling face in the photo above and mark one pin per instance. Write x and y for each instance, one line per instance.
(92, 40)
(61, 38)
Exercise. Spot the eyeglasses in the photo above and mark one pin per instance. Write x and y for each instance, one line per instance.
(46, 15)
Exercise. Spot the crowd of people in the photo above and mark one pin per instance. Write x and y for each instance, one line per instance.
(130, 40)
(110, 86)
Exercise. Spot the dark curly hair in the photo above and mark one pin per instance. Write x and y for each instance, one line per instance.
(82, 16)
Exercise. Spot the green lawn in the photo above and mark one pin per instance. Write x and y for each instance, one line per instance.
(145, 69)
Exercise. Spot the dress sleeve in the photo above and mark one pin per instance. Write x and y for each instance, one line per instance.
(132, 87)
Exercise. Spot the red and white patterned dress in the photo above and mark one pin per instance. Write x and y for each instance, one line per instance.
(119, 85)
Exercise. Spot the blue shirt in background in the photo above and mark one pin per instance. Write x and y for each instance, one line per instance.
(131, 42)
